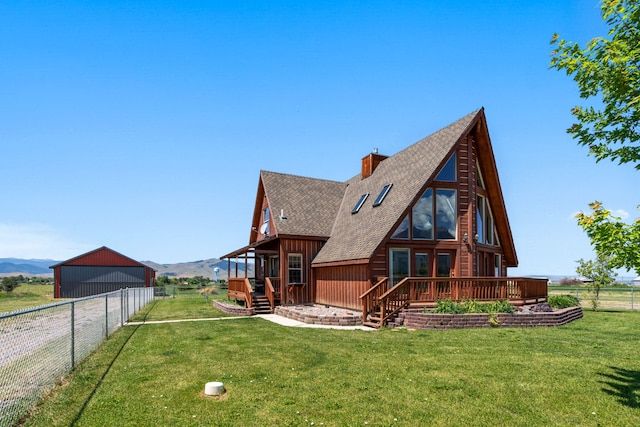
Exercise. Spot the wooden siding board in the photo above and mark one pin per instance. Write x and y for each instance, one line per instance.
(341, 286)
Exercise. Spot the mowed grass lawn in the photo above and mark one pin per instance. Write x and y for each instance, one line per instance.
(586, 373)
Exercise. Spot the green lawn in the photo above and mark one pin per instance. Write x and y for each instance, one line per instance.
(610, 298)
(584, 373)
(26, 296)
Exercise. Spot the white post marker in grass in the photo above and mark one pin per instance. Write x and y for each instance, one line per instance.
(213, 388)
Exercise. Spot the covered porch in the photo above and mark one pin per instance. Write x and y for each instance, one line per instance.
(262, 289)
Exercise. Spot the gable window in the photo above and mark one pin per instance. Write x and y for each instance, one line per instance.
(446, 214)
(479, 178)
(382, 195)
(448, 172)
(295, 268)
(484, 222)
(358, 205)
(402, 232)
(266, 220)
(422, 216)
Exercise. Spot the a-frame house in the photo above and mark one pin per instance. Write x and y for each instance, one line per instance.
(426, 223)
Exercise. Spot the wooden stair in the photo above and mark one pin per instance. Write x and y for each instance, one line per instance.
(261, 304)
(374, 319)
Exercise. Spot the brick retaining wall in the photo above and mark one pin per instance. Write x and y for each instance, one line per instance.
(318, 319)
(233, 308)
(419, 320)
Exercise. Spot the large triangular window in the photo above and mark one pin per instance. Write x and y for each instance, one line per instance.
(479, 178)
(448, 172)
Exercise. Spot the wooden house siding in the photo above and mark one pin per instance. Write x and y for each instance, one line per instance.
(341, 286)
(304, 293)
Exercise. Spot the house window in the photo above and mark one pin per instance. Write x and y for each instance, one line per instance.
(295, 268)
(479, 179)
(480, 219)
(484, 221)
(358, 205)
(448, 172)
(497, 265)
(402, 232)
(422, 216)
(422, 265)
(443, 268)
(382, 195)
(398, 265)
(446, 214)
(266, 223)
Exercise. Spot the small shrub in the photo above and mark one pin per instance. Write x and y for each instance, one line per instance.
(472, 306)
(499, 307)
(448, 306)
(563, 301)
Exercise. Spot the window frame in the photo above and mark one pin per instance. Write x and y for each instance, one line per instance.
(360, 203)
(383, 193)
(299, 269)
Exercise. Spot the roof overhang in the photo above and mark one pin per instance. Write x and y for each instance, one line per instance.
(249, 249)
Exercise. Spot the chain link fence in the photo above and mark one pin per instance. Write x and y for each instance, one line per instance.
(38, 347)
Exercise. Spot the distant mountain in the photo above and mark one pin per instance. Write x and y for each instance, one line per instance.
(205, 268)
(26, 267)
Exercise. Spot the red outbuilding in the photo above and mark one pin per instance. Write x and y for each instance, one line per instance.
(99, 271)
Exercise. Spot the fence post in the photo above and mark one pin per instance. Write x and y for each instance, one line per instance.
(106, 316)
(121, 307)
(73, 344)
(632, 299)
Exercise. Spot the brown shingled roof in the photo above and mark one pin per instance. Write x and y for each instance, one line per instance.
(356, 236)
(309, 204)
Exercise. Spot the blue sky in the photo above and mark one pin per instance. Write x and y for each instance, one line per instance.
(143, 125)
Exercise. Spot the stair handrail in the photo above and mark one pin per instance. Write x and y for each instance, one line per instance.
(248, 292)
(392, 301)
(270, 290)
(372, 295)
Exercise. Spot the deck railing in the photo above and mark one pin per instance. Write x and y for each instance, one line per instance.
(421, 290)
(371, 298)
(240, 288)
(272, 290)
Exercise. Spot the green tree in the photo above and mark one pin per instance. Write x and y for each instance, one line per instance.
(162, 281)
(608, 68)
(8, 284)
(600, 272)
(612, 238)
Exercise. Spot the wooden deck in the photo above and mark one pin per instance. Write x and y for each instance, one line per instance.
(379, 304)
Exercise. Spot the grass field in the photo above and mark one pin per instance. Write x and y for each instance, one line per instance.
(585, 373)
(26, 296)
(610, 298)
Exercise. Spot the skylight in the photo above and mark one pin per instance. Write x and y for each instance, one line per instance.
(358, 205)
(382, 195)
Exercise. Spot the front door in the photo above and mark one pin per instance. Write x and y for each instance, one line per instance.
(445, 264)
(445, 267)
(273, 266)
